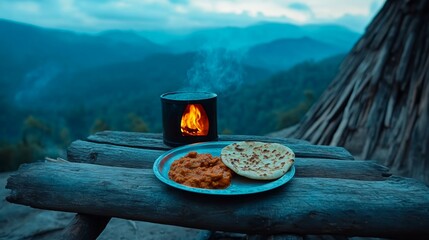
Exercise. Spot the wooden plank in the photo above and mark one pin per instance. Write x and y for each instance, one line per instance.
(397, 207)
(119, 156)
(155, 141)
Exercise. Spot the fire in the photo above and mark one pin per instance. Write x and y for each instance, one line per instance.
(194, 121)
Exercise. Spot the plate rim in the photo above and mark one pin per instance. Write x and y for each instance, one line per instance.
(257, 189)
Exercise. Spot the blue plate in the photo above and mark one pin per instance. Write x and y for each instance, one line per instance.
(239, 185)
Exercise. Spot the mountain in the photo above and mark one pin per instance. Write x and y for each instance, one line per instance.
(71, 79)
(116, 90)
(57, 86)
(24, 48)
(278, 101)
(151, 76)
(28, 53)
(283, 53)
(245, 37)
(35, 44)
(335, 35)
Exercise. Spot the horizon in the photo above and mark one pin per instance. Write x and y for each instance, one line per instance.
(163, 37)
(177, 31)
(178, 17)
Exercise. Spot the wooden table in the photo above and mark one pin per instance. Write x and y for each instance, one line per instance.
(110, 175)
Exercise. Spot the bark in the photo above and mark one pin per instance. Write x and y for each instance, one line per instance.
(155, 141)
(113, 155)
(377, 106)
(391, 207)
(139, 150)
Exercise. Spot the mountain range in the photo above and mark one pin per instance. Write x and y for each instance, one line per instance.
(264, 32)
(284, 53)
(116, 72)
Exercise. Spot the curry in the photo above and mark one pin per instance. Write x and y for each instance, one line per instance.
(201, 171)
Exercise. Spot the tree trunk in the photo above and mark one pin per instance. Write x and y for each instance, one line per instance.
(377, 106)
(316, 201)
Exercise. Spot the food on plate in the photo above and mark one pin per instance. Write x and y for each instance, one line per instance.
(200, 170)
(258, 160)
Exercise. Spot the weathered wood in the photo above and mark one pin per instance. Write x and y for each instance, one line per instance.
(85, 227)
(392, 208)
(118, 156)
(113, 155)
(345, 169)
(126, 149)
(378, 101)
(284, 141)
(154, 140)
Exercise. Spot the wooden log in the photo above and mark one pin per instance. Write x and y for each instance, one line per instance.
(389, 111)
(329, 130)
(85, 227)
(283, 141)
(397, 207)
(381, 34)
(406, 53)
(112, 155)
(319, 123)
(341, 127)
(364, 170)
(154, 140)
(378, 24)
(118, 156)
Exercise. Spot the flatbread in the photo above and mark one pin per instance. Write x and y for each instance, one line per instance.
(258, 160)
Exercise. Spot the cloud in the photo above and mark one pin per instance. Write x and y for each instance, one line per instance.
(300, 7)
(98, 15)
(179, 1)
(303, 9)
(354, 22)
(359, 22)
(376, 6)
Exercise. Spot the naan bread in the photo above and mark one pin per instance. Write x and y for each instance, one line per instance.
(258, 160)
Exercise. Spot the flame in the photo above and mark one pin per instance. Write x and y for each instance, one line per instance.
(194, 121)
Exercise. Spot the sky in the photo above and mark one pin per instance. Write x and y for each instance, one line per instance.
(100, 15)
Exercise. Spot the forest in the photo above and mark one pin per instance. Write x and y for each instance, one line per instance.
(61, 86)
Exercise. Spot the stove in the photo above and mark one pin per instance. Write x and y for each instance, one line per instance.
(189, 117)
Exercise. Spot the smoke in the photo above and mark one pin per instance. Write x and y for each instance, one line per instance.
(35, 82)
(216, 70)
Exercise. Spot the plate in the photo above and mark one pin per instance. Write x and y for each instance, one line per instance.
(239, 185)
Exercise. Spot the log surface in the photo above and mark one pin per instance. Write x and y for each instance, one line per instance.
(120, 156)
(125, 149)
(110, 175)
(305, 205)
(154, 140)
